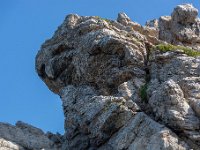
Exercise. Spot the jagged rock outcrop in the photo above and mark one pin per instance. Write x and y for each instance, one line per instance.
(107, 122)
(122, 85)
(7, 145)
(182, 27)
(174, 93)
(24, 137)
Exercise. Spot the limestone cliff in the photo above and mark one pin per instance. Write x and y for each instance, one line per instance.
(122, 85)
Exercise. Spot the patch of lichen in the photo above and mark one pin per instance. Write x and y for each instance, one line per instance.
(170, 47)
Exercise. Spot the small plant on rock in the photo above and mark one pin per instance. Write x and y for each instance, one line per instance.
(107, 20)
(170, 47)
(143, 92)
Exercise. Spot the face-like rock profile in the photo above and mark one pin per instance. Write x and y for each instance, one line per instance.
(117, 86)
(90, 51)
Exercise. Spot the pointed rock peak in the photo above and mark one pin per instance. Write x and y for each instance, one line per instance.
(71, 20)
(152, 23)
(185, 14)
(123, 18)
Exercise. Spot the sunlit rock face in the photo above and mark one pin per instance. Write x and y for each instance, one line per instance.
(118, 88)
(101, 68)
(23, 136)
(182, 27)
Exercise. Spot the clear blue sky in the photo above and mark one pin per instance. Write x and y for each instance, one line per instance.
(24, 25)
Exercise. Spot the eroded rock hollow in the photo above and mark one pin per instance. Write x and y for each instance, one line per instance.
(122, 85)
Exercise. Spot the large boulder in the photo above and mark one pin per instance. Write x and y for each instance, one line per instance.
(184, 14)
(182, 27)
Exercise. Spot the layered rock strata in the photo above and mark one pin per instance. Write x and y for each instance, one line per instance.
(118, 89)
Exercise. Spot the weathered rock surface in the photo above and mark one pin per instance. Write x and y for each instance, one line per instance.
(182, 27)
(118, 91)
(107, 122)
(174, 93)
(24, 137)
(7, 145)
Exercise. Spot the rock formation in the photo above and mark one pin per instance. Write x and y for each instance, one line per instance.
(24, 136)
(122, 85)
(182, 27)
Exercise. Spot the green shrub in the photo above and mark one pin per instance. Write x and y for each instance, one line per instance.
(107, 20)
(170, 47)
(143, 92)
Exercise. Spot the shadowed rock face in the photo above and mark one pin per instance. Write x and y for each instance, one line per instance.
(118, 91)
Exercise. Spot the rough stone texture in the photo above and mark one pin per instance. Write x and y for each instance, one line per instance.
(141, 132)
(107, 122)
(185, 14)
(174, 93)
(116, 92)
(152, 23)
(93, 52)
(191, 88)
(7, 145)
(182, 27)
(171, 107)
(24, 136)
(98, 67)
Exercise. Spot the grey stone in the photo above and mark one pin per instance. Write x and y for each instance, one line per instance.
(7, 145)
(152, 23)
(123, 18)
(117, 90)
(182, 27)
(170, 106)
(143, 133)
(26, 136)
(184, 14)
